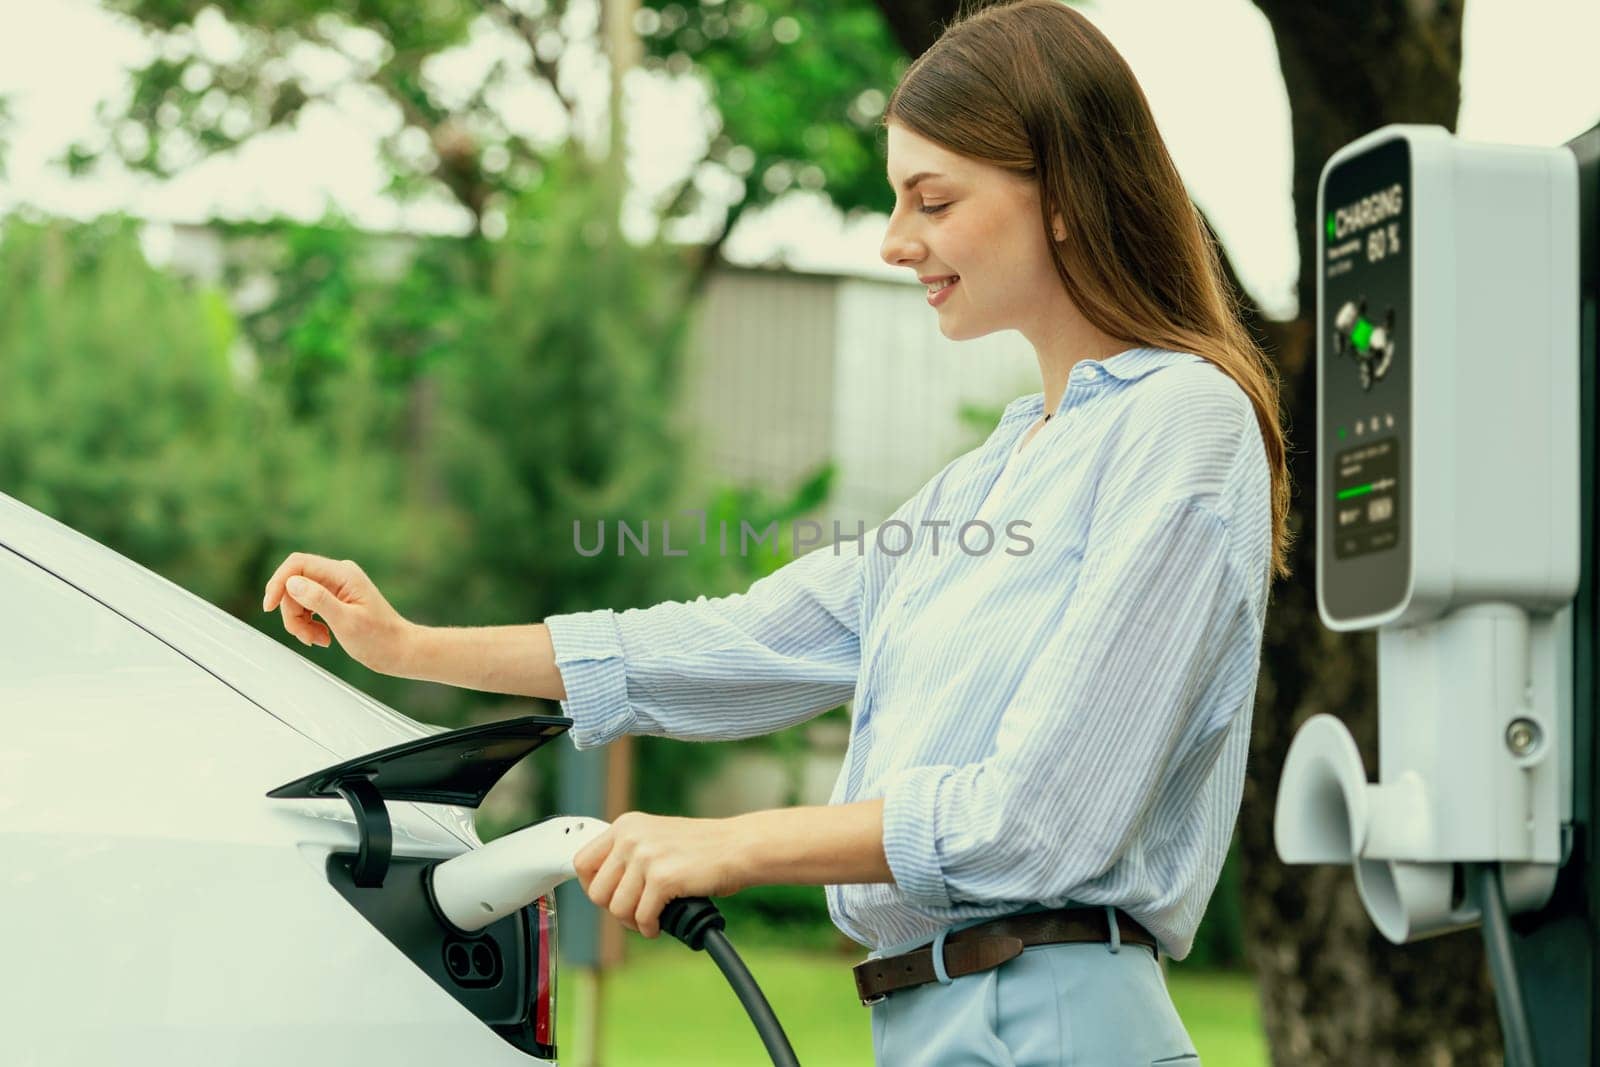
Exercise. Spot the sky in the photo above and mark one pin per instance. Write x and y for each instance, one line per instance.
(1208, 67)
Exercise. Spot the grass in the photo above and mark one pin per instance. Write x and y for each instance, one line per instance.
(670, 1006)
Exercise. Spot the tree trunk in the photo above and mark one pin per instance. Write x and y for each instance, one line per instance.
(1333, 990)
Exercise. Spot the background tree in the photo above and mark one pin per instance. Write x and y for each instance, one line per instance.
(125, 419)
(795, 85)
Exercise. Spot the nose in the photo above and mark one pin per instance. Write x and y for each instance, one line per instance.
(900, 248)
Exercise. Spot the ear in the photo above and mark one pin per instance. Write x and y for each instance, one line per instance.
(1057, 227)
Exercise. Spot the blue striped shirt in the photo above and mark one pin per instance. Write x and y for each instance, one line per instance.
(1063, 718)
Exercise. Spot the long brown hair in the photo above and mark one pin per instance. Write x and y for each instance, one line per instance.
(1034, 88)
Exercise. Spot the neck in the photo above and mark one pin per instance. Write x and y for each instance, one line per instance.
(1062, 346)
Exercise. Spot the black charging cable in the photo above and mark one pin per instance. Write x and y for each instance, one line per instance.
(1507, 988)
(697, 923)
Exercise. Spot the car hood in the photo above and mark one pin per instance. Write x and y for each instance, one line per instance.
(284, 685)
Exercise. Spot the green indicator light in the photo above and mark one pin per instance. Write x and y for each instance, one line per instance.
(1331, 231)
(1341, 433)
(1361, 334)
(1359, 490)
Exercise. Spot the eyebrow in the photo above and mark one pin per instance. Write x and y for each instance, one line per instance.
(911, 182)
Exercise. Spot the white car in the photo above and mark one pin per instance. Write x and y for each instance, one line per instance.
(157, 907)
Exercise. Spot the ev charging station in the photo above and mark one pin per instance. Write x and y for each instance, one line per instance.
(1456, 319)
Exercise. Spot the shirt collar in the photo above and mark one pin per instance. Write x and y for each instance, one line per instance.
(1135, 363)
(1127, 366)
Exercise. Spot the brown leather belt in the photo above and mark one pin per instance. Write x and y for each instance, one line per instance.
(989, 944)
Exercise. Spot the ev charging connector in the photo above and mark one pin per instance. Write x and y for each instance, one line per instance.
(485, 884)
(1447, 520)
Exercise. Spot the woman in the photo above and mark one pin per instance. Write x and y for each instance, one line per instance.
(1049, 732)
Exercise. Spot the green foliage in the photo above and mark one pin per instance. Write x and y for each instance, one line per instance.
(120, 416)
(793, 916)
(322, 310)
(797, 86)
(186, 103)
(979, 420)
(125, 418)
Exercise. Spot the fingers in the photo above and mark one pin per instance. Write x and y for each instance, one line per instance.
(275, 585)
(625, 901)
(326, 575)
(603, 886)
(625, 872)
(588, 858)
(647, 916)
(332, 573)
(298, 622)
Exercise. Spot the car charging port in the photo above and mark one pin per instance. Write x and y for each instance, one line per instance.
(473, 964)
(504, 974)
(501, 966)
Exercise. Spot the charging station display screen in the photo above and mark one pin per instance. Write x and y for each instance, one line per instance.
(1366, 482)
(1364, 357)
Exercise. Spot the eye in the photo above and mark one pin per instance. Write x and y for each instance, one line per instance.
(933, 209)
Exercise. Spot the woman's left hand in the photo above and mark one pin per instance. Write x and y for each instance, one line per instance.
(643, 862)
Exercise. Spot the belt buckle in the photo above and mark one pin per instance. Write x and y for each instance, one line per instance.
(867, 1002)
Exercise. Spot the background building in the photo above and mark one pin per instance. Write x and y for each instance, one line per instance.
(791, 370)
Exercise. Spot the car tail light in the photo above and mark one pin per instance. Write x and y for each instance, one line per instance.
(544, 1005)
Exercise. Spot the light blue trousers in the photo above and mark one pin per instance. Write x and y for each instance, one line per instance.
(1069, 1005)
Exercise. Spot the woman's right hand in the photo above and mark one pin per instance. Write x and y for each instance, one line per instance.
(349, 606)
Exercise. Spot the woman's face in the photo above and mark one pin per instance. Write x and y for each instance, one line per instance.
(980, 223)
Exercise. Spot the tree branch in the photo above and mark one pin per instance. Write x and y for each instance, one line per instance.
(528, 30)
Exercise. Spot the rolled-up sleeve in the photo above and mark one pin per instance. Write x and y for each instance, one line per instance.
(1161, 625)
(716, 669)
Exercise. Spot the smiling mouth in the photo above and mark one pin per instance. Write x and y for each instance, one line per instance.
(938, 287)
